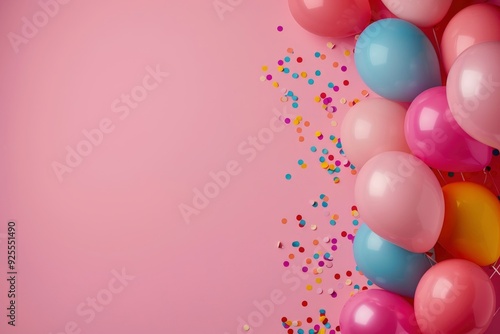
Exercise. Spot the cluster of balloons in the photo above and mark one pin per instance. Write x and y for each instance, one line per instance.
(439, 108)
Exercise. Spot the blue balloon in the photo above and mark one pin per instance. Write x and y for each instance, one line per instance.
(396, 60)
(387, 265)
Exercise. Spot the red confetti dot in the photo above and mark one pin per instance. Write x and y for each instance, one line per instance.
(304, 303)
(354, 207)
(331, 157)
(346, 82)
(301, 249)
(299, 217)
(290, 331)
(322, 95)
(337, 276)
(299, 59)
(348, 273)
(309, 320)
(343, 234)
(284, 319)
(337, 328)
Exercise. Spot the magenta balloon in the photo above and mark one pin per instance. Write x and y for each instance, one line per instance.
(331, 18)
(377, 312)
(434, 136)
(455, 297)
(473, 91)
(401, 200)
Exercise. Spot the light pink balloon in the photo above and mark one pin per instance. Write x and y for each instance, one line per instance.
(371, 127)
(472, 25)
(337, 18)
(401, 200)
(423, 13)
(454, 297)
(473, 91)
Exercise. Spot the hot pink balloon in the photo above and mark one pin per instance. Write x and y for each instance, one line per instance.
(423, 13)
(454, 297)
(435, 137)
(338, 18)
(371, 127)
(401, 200)
(473, 90)
(377, 312)
(472, 25)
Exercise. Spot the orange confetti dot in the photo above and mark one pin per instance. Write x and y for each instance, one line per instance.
(289, 50)
(299, 130)
(315, 242)
(301, 139)
(291, 256)
(284, 221)
(335, 64)
(329, 115)
(365, 93)
(354, 172)
(308, 261)
(322, 57)
(306, 124)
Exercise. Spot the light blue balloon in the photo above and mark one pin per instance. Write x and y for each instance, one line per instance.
(387, 265)
(396, 60)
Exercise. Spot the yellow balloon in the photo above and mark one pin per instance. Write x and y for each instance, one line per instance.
(471, 228)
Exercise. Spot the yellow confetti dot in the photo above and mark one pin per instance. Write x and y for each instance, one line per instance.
(356, 100)
(343, 100)
(246, 328)
(317, 133)
(347, 53)
(309, 287)
(299, 118)
(296, 121)
(319, 280)
(330, 45)
(303, 74)
(276, 84)
(324, 165)
(322, 331)
(303, 166)
(265, 68)
(280, 68)
(334, 123)
(331, 166)
(316, 98)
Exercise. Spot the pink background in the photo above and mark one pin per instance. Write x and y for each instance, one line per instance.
(119, 209)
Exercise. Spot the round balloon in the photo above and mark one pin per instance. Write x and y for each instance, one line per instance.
(472, 25)
(401, 200)
(471, 228)
(434, 136)
(339, 18)
(473, 91)
(387, 265)
(377, 312)
(454, 297)
(373, 126)
(396, 60)
(423, 13)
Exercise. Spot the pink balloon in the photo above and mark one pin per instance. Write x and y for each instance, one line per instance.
(339, 18)
(423, 13)
(472, 25)
(400, 199)
(454, 297)
(371, 127)
(473, 90)
(377, 312)
(436, 138)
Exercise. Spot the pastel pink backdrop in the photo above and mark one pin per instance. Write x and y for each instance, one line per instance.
(120, 207)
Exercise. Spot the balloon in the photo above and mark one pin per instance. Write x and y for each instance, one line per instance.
(339, 18)
(396, 60)
(377, 312)
(373, 126)
(387, 265)
(423, 13)
(401, 200)
(454, 297)
(472, 25)
(473, 92)
(471, 228)
(435, 137)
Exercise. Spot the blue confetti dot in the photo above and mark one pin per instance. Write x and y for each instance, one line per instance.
(324, 204)
(496, 152)
(331, 85)
(355, 222)
(295, 244)
(313, 149)
(288, 176)
(333, 222)
(321, 159)
(318, 73)
(295, 75)
(286, 70)
(295, 105)
(286, 59)
(300, 162)
(324, 151)
(317, 54)
(310, 81)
